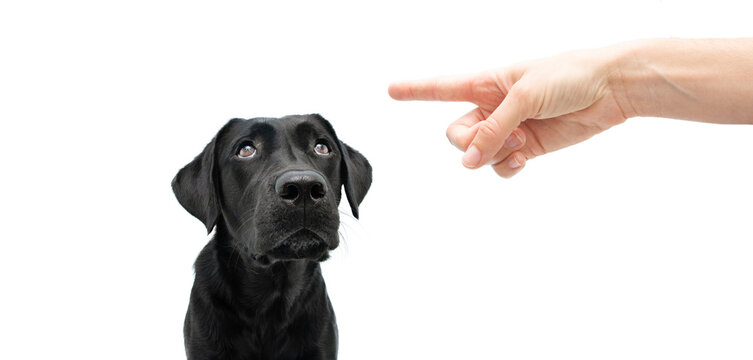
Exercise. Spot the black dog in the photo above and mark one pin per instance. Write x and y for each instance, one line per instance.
(271, 188)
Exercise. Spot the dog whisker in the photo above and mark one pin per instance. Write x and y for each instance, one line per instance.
(237, 257)
(346, 214)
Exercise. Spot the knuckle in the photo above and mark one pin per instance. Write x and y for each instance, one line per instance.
(455, 137)
(489, 128)
(478, 88)
(449, 133)
(521, 90)
(523, 93)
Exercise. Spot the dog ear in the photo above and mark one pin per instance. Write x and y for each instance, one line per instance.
(356, 172)
(195, 189)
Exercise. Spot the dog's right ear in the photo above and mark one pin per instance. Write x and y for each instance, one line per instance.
(194, 186)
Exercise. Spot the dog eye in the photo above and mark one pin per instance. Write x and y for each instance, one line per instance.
(321, 149)
(247, 151)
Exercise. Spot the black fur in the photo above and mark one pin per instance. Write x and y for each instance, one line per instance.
(259, 291)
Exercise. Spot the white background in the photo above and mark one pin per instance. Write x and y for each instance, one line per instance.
(635, 244)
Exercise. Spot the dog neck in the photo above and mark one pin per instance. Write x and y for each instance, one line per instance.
(253, 287)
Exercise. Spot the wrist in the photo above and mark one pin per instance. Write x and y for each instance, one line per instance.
(629, 73)
(621, 76)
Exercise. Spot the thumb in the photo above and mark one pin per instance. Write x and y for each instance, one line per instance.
(493, 131)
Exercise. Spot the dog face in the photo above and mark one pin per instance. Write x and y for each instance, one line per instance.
(274, 185)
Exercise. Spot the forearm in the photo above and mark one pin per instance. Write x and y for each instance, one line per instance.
(708, 80)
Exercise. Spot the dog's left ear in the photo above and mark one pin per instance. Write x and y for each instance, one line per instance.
(195, 188)
(356, 172)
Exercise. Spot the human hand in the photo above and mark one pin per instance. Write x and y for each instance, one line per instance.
(526, 110)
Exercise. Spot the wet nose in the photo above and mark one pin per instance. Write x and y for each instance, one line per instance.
(298, 184)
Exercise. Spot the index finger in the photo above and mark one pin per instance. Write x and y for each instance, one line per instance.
(456, 88)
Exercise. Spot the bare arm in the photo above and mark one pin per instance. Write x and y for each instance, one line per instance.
(703, 80)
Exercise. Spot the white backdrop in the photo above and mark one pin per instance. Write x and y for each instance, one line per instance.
(635, 244)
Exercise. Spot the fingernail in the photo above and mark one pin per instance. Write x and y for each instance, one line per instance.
(513, 141)
(472, 157)
(513, 163)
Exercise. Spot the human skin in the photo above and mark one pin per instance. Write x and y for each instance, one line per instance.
(537, 107)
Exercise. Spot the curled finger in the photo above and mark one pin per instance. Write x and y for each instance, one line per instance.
(461, 131)
(510, 165)
(516, 141)
(492, 132)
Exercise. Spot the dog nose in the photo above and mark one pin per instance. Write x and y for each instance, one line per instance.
(293, 185)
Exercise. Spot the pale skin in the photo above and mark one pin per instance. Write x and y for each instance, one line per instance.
(537, 107)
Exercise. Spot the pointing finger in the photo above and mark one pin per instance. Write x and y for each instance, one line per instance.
(458, 88)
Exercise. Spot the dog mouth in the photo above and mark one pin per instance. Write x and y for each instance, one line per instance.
(303, 244)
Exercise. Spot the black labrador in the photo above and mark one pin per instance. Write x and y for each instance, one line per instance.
(270, 187)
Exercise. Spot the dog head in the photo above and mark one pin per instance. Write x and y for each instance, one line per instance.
(274, 185)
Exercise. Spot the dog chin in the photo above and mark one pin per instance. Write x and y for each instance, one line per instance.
(303, 244)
